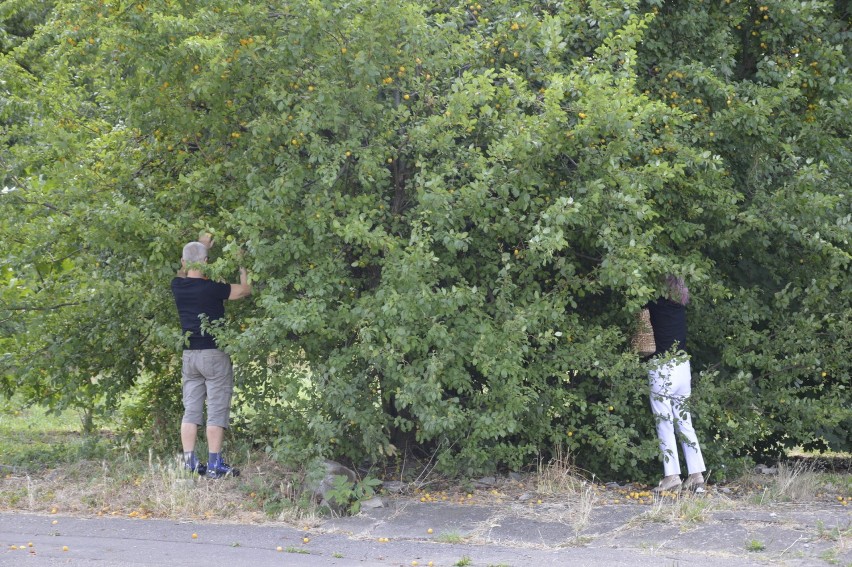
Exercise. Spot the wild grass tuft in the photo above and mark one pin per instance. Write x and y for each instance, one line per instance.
(793, 482)
(683, 510)
(560, 477)
(797, 481)
(450, 537)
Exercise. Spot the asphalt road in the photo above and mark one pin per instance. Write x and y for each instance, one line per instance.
(480, 536)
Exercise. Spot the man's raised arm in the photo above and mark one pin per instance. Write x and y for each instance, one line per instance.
(242, 289)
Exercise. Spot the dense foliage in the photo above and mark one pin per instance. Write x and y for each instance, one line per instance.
(450, 212)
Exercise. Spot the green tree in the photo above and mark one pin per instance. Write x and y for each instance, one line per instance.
(768, 94)
(450, 211)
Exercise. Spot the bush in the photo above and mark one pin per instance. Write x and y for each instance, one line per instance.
(450, 212)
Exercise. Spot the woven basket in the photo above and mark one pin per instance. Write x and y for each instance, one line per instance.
(643, 340)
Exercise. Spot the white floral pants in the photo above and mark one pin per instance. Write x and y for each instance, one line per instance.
(670, 383)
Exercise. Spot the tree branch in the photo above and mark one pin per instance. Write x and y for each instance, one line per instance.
(46, 308)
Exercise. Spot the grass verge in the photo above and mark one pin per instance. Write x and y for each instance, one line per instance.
(124, 486)
(46, 466)
(33, 439)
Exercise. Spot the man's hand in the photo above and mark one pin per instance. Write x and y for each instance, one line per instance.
(206, 239)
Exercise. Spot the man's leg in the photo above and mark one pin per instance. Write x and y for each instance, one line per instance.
(220, 388)
(188, 435)
(215, 438)
(194, 393)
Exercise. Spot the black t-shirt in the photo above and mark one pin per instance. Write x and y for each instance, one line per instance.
(668, 318)
(195, 297)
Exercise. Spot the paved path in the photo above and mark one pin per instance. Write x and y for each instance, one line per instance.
(511, 534)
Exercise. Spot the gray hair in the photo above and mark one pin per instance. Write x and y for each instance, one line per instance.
(194, 252)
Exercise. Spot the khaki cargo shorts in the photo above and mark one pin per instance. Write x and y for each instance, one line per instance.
(207, 374)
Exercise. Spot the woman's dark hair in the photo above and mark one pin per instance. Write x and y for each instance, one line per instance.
(676, 289)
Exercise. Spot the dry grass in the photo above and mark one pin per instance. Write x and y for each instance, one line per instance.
(797, 481)
(793, 482)
(158, 489)
(574, 510)
(577, 494)
(558, 492)
(560, 477)
(583, 512)
(684, 510)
